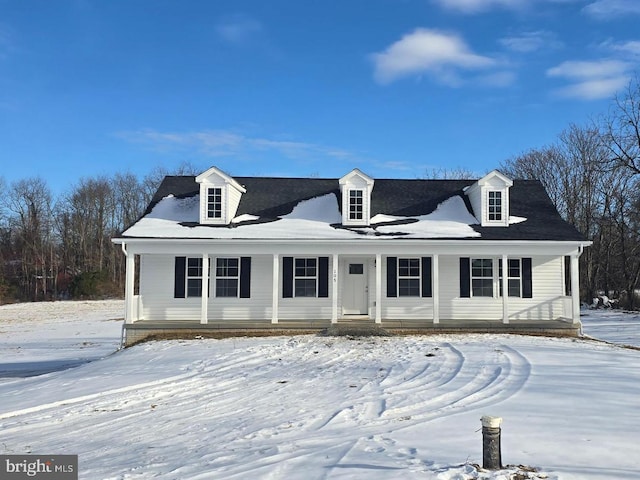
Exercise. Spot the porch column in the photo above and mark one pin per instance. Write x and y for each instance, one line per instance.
(129, 308)
(505, 289)
(378, 288)
(275, 282)
(334, 291)
(205, 289)
(575, 289)
(435, 288)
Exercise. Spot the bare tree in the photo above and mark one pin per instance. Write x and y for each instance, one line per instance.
(622, 129)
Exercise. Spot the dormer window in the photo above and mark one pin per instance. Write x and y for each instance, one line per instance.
(219, 197)
(356, 205)
(356, 188)
(214, 202)
(494, 206)
(489, 198)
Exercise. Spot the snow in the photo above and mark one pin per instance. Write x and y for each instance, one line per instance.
(311, 407)
(310, 219)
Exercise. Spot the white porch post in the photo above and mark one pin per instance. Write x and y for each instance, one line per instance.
(378, 288)
(205, 290)
(505, 289)
(129, 308)
(334, 291)
(275, 281)
(435, 288)
(575, 289)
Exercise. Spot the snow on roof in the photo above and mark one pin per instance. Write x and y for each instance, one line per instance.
(316, 218)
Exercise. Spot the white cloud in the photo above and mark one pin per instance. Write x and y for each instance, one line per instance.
(238, 29)
(591, 80)
(612, 8)
(478, 6)
(498, 79)
(441, 54)
(631, 47)
(596, 89)
(224, 143)
(474, 6)
(531, 41)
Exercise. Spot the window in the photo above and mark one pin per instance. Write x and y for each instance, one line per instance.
(514, 277)
(356, 269)
(227, 277)
(495, 206)
(356, 203)
(214, 203)
(408, 277)
(482, 277)
(305, 278)
(194, 277)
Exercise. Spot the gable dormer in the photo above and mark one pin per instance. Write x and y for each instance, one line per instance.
(219, 197)
(489, 199)
(355, 189)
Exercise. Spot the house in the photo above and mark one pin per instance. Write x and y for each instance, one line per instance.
(216, 253)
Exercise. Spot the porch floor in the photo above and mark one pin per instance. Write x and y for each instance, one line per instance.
(145, 329)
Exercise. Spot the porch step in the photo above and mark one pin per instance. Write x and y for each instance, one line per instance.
(355, 329)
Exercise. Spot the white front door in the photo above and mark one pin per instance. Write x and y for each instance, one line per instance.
(355, 291)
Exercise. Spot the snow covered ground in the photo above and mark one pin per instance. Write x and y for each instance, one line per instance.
(312, 407)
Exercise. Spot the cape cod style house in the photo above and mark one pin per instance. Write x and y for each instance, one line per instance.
(216, 253)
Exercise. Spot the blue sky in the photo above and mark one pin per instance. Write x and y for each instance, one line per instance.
(296, 88)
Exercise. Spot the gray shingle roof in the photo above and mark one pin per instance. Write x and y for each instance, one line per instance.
(275, 197)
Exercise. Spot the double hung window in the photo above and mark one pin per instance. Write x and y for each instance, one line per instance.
(409, 277)
(305, 277)
(514, 277)
(227, 277)
(214, 202)
(482, 277)
(495, 206)
(194, 277)
(356, 204)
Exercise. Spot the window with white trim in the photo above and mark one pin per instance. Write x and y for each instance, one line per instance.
(305, 277)
(227, 277)
(214, 202)
(514, 277)
(494, 206)
(482, 277)
(356, 204)
(409, 277)
(194, 277)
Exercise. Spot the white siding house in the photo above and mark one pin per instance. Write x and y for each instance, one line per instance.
(217, 253)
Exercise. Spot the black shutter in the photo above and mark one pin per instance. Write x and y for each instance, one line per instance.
(245, 277)
(323, 277)
(287, 277)
(527, 283)
(465, 277)
(392, 275)
(180, 273)
(426, 276)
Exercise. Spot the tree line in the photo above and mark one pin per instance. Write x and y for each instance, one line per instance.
(53, 248)
(57, 248)
(592, 174)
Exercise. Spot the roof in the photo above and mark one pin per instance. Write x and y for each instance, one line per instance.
(275, 198)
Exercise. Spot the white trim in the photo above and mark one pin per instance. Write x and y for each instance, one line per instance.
(334, 289)
(378, 288)
(276, 288)
(505, 287)
(575, 289)
(129, 288)
(204, 290)
(435, 286)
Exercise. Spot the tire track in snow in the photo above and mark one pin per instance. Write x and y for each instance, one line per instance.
(477, 382)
